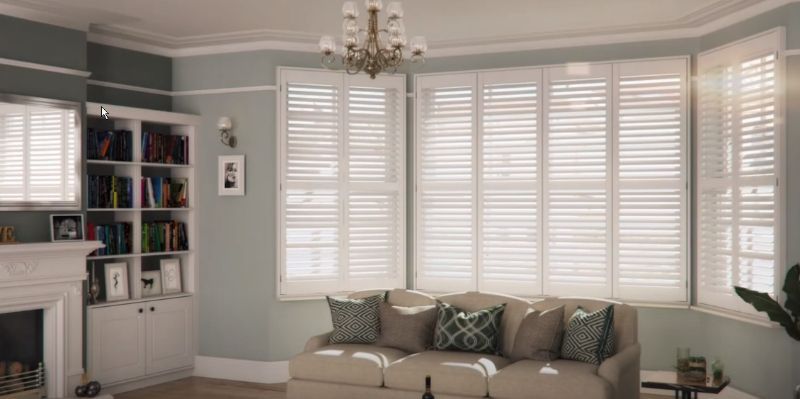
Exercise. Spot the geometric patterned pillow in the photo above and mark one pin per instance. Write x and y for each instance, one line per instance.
(355, 321)
(589, 337)
(468, 331)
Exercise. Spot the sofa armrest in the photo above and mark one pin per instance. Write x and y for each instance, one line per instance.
(622, 372)
(317, 341)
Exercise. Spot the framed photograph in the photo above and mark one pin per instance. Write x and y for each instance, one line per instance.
(116, 281)
(66, 227)
(151, 283)
(231, 175)
(171, 276)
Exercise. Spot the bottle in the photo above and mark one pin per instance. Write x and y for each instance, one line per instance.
(427, 394)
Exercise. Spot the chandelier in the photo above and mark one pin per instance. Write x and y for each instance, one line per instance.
(374, 55)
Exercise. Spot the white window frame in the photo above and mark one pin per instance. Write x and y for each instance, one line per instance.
(62, 106)
(312, 289)
(573, 69)
(773, 40)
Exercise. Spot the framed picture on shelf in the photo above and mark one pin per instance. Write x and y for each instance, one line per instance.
(171, 276)
(151, 283)
(66, 227)
(116, 281)
(231, 175)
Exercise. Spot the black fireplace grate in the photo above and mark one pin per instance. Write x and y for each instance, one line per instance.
(28, 384)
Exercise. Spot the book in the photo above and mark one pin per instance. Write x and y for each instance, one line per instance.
(109, 145)
(110, 192)
(164, 192)
(116, 237)
(165, 148)
(164, 236)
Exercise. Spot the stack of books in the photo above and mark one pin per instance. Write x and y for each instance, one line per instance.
(164, 192)
(110, 192)
(164, 236)
(165, 148)
(117, 238)
(109, 145)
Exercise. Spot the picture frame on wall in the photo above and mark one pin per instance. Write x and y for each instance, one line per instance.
(171, 276)
(116, 279)
(151, 283)
(231, 175)
(66, 227)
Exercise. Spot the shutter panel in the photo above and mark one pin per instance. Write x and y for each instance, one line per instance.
(509, 146)
(312, 140)
(446, 209)
(38, 156)
(577, 185)
(739, 151)
(12, 154)
(650, 183)
(376, 205)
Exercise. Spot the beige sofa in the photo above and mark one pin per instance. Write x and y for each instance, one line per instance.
(373, 372)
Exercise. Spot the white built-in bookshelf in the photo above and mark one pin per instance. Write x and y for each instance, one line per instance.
(139, 312)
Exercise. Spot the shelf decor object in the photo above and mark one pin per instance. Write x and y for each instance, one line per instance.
(788, 318)
(382, 49)
(142, 204)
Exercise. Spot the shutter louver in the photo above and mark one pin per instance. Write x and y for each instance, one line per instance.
(650, 183)
(445, 183)
(577, 185)
(38, 156)
(509, 185)
(342, 183)
(739, 167)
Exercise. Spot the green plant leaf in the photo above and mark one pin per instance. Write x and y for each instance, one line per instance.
(764, 303)
(792, 289)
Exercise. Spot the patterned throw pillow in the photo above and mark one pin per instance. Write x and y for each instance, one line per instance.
(589, 337)
(355, 321)
(468, 331)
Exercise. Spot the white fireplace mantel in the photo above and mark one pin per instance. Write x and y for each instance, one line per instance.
(49, 276)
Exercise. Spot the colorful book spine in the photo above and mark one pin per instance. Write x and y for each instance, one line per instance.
(165, 148)
(110, 192)
(164, 236)
(109, 145)
(116, 237)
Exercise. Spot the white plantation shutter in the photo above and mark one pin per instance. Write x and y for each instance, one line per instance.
(577, 181)
(650, 222)
(341, 183)
(446, 202)
(739, 171)
(38, 157)
(509, 208)
(376, 182)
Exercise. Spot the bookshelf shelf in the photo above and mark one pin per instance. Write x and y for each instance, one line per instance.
(139, 184)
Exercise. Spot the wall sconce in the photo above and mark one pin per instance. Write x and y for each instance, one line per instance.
(225, 125)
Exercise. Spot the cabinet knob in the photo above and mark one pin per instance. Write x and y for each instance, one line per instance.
(141, 310)
(152, 308)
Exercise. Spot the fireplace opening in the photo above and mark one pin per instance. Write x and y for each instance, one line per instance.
(21, 352)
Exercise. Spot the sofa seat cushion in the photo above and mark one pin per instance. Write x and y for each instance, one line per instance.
(454, 373)
(559, 379)
(352, 364)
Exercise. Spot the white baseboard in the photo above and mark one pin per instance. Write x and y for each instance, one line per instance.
(241, 370)
(727, 393)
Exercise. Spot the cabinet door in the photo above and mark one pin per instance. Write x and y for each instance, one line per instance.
(117, 342)
(169, 335)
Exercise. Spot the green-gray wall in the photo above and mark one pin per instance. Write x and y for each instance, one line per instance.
(240, 316)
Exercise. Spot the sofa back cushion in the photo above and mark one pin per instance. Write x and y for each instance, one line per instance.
(625, 318)
(398, 297)
(515, 311)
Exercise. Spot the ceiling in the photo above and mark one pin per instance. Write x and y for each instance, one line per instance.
(186, 27)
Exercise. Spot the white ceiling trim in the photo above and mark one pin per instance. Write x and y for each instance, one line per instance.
(705, 20)
(128, 87)
(44, 67)
(226, 90)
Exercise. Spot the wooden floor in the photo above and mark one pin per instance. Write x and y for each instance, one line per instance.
(207, 388)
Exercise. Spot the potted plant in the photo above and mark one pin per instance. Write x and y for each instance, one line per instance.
(789, 317)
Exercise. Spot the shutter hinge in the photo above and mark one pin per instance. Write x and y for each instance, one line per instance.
(777, 182)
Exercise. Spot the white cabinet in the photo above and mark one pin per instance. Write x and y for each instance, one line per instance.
(134, 340)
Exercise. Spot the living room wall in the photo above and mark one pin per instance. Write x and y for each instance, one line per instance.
(237, 252)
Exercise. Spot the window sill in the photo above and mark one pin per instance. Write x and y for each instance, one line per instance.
(738, 316)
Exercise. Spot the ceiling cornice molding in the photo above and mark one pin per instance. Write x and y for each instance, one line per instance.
(715, 16)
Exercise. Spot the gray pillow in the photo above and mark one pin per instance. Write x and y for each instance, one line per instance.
(355, 321)
(409, 329)
(539, 335)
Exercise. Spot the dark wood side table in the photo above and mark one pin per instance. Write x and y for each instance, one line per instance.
(685, 389)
